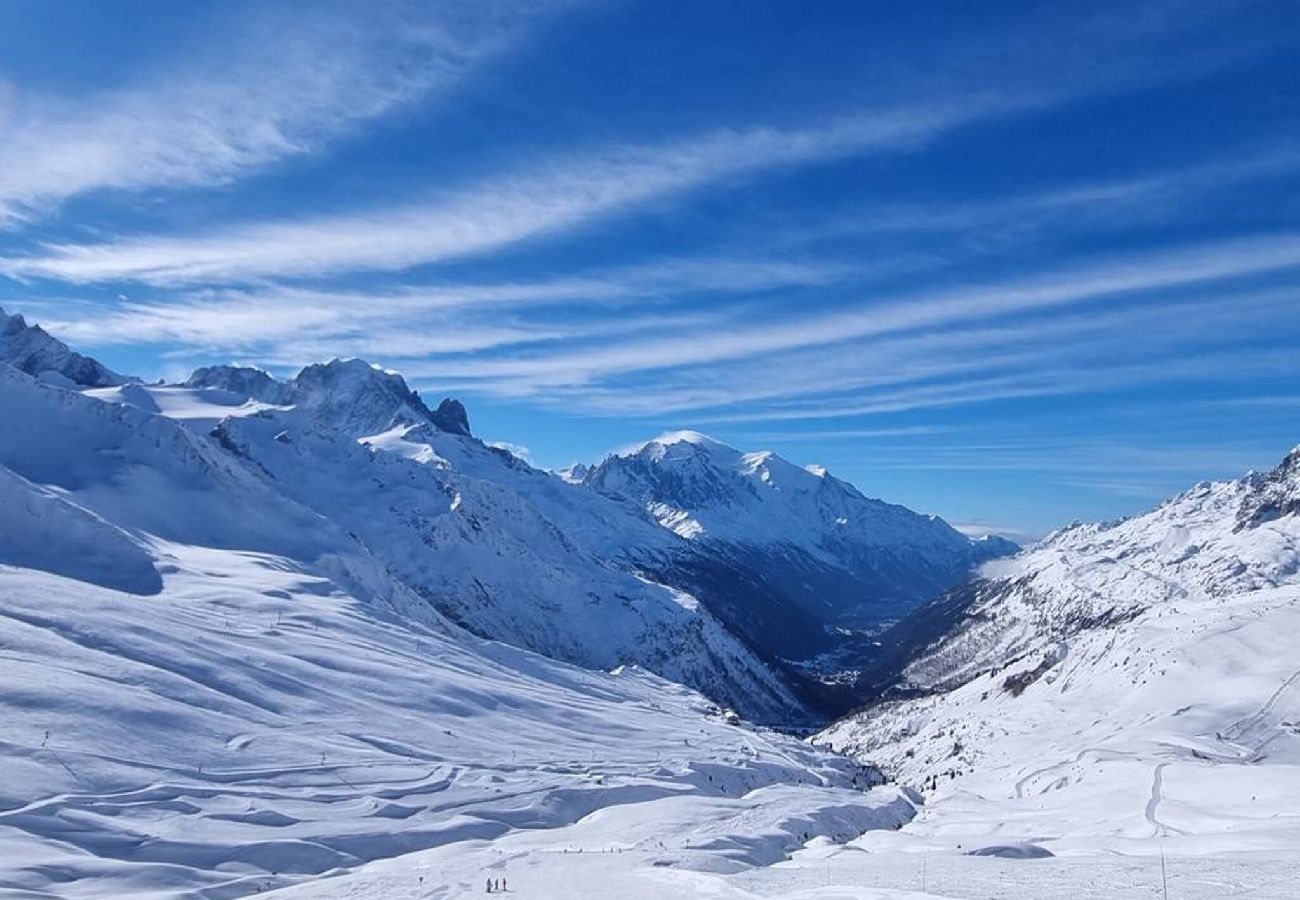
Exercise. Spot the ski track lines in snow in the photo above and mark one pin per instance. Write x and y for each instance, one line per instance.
(1178, 731)
(458, 750)
(234, 733)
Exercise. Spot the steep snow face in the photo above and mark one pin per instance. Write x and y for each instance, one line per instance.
(846, 559)
(361, 398)
(352, 393)
(42, 529)
(356, 397)
(29, 349)
(147, 474)
(356, 466)
(761, 498)
(503, 549)
(1127, 680)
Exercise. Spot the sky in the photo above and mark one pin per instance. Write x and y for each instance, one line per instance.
(1017, 264)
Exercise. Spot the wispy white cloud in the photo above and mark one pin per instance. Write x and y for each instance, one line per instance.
(1046, 380)
(288, 322)
(287, 333)
(1029, 337)
(300, 78)
(1080, 460)
(977, 528)
(930, 310)
(500, 211)
(518, 450)
(850, 434)
(837, 376)
(218, 132)
(1157, 196)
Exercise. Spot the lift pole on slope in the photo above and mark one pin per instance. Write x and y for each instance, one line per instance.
(1164, 880)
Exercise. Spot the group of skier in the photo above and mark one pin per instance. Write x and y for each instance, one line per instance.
(496, 885)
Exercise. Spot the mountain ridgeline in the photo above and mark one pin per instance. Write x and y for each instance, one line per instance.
(739, 574)
(831, 567)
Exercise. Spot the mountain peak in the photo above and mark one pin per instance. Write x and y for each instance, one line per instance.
(672, 439)
(30, 349)
(451, 417)
(364, 398)
(246, 380)
(573, 474)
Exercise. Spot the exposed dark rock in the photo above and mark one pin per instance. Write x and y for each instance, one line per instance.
(1276, 494)
(451, 417)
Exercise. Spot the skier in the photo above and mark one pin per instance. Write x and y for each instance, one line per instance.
(489, 885)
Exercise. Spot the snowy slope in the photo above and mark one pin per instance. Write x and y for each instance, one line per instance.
(1163, 755)
(225, 662)
(1213, 541)
(1118, 683)
(845, 561)
(253, 724)
(351, 460)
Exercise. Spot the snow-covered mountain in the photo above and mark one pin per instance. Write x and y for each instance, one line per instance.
(243, 644)
(763, 569)
(345, 457)
(1215, 540)
(251, 639)
(30, 349)
(218, 693)
(1127, 679)
(841, 560)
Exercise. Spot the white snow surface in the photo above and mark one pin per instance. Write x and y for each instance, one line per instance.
(220, 671)
(253, 724)
(1161, 755)
(1121, 688)
(354, 465)
(1179, 728)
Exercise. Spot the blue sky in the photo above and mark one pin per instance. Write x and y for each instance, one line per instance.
(1016, 264)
